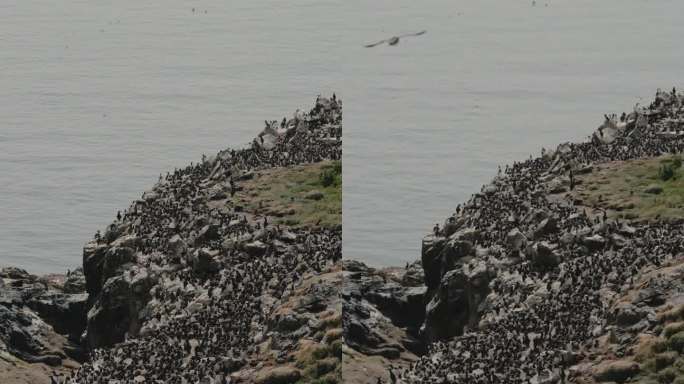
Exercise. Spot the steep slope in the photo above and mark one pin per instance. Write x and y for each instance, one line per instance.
(184, 285)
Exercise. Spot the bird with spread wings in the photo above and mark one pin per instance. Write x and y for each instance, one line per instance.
(394, 40)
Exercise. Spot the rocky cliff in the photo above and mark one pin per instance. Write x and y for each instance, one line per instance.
(198, 281)
(41, 320)
(565, 268)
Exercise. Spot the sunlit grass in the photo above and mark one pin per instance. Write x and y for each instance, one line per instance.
(282, 193)
(622, 188)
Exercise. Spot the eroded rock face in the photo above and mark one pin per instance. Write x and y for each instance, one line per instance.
(382, 313)
(115, 314)
(543, 255)
(430, 259)
(36, 315)
(441, 255)
(190, 261)
(93, 260)
(516, 239)
(455, 304)
(66, 313)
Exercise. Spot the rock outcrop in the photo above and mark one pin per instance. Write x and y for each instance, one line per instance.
(187, 284)
(525, 284)
(41, 320)
(382, 314)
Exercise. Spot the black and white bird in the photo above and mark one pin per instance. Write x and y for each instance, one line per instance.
(394, 40)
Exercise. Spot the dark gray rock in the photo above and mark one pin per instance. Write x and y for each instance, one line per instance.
(115, 312)
(207, 233)
(66, 313)
(544, 255)
(256, 248)
(75, 282)
(314, 195)
(515, 239)
(594, 243)
(93, 260)
(455, 305)
(545, 227)
(654, 189)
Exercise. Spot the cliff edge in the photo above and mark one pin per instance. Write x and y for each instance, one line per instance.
(224, 271)
(565, 268)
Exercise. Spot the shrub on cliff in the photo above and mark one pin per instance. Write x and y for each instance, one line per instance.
(331, 175)
(666, 172)
(676, 342)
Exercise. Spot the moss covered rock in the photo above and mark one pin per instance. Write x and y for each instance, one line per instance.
(618, 371)
(676, 342)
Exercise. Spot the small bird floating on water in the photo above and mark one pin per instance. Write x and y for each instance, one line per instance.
(394, 40)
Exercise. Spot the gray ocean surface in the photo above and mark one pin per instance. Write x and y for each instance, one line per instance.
(98, 98)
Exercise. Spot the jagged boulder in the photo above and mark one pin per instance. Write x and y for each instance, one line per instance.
(93, 259)
(451, 225)
(177, 247)
(101, 262)
(14, 273)
(256, 248)
(115, 258)
(431, 249)
(515, 239)
(594, 243)
(607, 132)
(32, 311)
(543, 255)
(116, 310)
(414, 276)
(627, 314)
(208, 233)
(441, 256)
(75, 282)
(203, 261)
(466, 234)
(129, 241)
(545, 227)
(406, 305)
(65, 312)
(456, 303)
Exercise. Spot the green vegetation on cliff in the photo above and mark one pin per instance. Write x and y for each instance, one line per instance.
(303, 195)
(643, 189)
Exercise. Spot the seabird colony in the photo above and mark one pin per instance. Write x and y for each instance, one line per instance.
(182, 282)
(548, 259)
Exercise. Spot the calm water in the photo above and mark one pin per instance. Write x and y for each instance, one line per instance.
(98, 98)
(428, 121)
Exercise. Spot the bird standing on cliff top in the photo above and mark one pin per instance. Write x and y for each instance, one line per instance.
(394, 40)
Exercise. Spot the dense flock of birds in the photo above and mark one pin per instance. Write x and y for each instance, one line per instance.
(538, 319)
(202, 324)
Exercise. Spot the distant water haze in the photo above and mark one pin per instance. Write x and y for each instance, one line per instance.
(98, 98)
(428, 121)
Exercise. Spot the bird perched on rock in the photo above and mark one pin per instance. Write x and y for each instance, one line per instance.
(394, 40)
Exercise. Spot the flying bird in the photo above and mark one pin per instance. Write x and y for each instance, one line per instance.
(394, 40)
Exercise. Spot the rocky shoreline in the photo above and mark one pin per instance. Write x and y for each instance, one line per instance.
(41, 320)
(549, 274)
(530, 281)
(189, 285)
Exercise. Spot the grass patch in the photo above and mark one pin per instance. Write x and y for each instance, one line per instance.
(642, 190)
(286, 194)
(321, 363)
